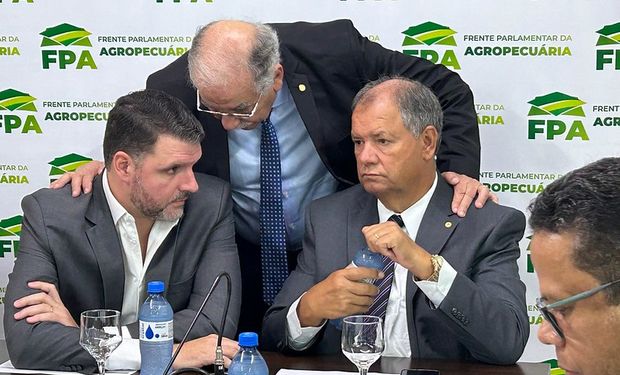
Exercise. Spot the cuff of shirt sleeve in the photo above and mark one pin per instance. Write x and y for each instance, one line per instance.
(299, 338)
(437, 291)
(127, 355)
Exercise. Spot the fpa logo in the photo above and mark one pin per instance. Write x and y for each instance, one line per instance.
(67, 163)
(608, 47)
(431, 34)
(16, 101)
(66, 35)
(559, 106)
(10, 230)
(554, 367)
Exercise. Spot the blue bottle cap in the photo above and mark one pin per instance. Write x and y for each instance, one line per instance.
(366, 258)
(248, 339)
(155, 287)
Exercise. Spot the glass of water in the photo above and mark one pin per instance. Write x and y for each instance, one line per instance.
(362, 340)
(100, 334)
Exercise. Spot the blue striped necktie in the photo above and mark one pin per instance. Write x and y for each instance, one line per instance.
(379, 305)
(274, 265)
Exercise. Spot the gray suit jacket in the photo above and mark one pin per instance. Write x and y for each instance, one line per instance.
(72, 242)
(483, 316)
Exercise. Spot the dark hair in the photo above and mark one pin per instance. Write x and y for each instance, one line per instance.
(138, 119)
(586, 203)
(417, 104)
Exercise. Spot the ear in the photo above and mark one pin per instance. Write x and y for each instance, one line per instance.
(279, 77)
(123, 165)
(429, 139)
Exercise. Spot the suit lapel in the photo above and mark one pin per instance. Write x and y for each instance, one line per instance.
(106, 247)
(363, 213)
(436, 227)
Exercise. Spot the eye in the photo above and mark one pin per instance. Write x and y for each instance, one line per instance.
(383, 141)
(173, 170)
(357, 142)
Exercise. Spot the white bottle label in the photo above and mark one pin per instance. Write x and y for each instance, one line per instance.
(156, 331)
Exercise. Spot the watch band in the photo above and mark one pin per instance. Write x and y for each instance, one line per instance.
(436, 262)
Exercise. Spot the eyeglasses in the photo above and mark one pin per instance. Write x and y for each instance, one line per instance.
(545, 308)
(200, 108)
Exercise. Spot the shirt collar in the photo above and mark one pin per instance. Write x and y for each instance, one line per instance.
(413, 210)
(116, 209)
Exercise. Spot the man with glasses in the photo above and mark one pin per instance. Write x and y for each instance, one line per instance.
(576, 254)
(275, 105)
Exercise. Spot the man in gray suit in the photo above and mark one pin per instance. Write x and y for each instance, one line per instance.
(453, 292)
(149, 217)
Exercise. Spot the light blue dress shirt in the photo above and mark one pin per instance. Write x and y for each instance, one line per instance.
(304, 176)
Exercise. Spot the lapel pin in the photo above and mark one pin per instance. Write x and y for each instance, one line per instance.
(301, 87)
(448, 224)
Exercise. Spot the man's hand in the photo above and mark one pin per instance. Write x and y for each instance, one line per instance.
(201, 352)
(45, 306)
(390, 240)
(81, 179)
(465, 190)
(342, 293)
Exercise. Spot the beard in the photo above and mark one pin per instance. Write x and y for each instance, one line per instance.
(151, 208)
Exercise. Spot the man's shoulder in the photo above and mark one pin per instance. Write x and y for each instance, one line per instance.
(299, 28)
(494, 213)
(342, 199)
(59, 198)
(210, 189)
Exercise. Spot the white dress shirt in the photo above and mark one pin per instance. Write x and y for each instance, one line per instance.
(127, 355)
(396, 332)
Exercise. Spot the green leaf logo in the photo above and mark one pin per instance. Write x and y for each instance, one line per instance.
(556, 104)
(11, 227)
(65, 35)
(429, 33)
(67, 163)
(609, 34)
(11, 100)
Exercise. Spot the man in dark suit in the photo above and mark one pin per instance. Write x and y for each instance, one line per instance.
(302, 77)
(453, 292)
(149, 217)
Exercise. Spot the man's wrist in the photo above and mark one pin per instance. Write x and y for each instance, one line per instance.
(304, 312)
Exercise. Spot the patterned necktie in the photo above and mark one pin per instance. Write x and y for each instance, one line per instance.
(379, 305)
(271, 215)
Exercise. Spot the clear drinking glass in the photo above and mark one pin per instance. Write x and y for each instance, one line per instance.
(362, 340)
(100, 334)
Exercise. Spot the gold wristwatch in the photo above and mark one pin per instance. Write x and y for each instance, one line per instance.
(437, 262)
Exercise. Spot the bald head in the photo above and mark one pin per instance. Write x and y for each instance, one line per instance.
(223, 53)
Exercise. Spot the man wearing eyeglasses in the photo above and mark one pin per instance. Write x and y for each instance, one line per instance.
(576, 255)
(275, 104)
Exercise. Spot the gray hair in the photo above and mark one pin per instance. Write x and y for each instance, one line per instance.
(417, 104)
(221, 64)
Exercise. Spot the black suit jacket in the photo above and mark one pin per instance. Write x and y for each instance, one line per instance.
(73, 243)
(482, 317)
(333, 62)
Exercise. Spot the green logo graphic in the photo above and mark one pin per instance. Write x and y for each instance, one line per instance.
(530, 265)
(609, 55)
(57, 38)
(65, 35)
(609, 34)
(557, 104)
(10, 230)
(430, 34)
(67, 163)
(555, 369)
(12, 100)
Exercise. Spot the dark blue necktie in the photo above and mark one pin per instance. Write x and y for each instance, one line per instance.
(271, 215)
(379, 305)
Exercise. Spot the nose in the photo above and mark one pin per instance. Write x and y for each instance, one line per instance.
(547, 335)
(189, 182)
(366, 154)
(230, 122)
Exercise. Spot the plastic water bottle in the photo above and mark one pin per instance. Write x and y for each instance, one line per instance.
(363, 258)
(248, 360)
(156, 333)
